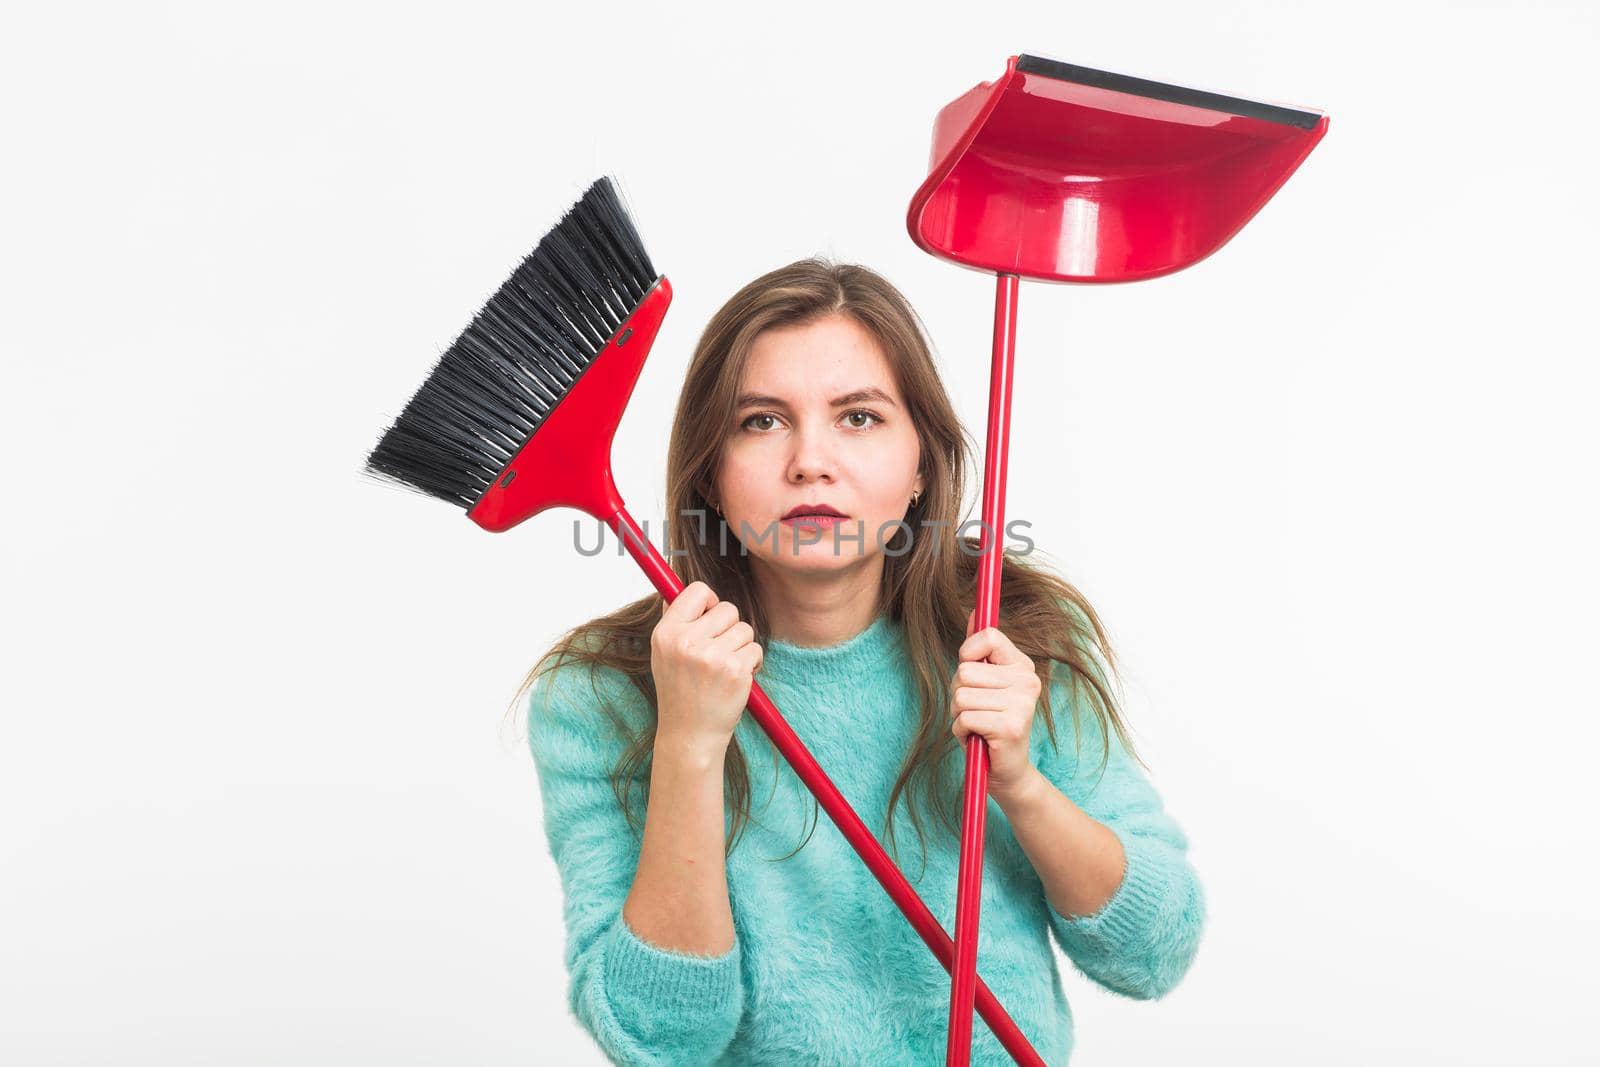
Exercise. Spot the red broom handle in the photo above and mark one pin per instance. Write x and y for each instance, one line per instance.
(767, 716)
(986, 613)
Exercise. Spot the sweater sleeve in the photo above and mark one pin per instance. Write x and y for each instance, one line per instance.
(643, 1004)
(1141, 941)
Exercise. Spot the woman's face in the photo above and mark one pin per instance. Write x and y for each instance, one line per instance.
(820, 423)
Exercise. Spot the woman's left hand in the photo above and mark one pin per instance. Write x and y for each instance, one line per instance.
(996, 700)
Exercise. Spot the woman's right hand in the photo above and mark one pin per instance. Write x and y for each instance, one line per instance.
(704, 661)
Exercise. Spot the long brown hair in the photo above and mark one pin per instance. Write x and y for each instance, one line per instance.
(928, 590)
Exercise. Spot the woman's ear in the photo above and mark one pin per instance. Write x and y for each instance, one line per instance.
(916, 486)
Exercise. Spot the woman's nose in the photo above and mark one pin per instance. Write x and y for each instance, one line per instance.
(811, 458)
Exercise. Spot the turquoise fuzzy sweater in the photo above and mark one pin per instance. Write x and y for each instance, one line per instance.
(825, 969)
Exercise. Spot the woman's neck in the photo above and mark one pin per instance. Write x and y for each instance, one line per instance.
(819, 611)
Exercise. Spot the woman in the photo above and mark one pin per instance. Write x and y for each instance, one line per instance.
(815, 477)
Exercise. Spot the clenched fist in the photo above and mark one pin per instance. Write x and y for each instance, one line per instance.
(704, 662)
(996, 700)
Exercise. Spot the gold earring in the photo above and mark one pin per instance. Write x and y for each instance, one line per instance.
(916, 495)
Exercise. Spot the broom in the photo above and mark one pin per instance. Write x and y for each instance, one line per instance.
(518, 416)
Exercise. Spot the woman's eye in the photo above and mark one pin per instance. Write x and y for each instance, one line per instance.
(856, 420)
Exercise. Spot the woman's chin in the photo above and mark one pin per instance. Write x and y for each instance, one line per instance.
(813, 559)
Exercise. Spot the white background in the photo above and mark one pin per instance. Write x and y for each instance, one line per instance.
(1333, 490)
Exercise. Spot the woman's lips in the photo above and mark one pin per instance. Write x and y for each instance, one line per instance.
(818, 513)
(814, 520)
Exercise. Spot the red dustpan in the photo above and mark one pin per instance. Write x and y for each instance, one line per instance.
(1063, 173)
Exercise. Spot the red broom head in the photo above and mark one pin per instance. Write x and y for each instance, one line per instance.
(518, 414)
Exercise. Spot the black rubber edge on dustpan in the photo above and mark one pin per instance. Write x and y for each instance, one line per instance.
(1176, 94)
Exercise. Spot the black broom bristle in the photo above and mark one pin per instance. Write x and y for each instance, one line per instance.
(520, 355)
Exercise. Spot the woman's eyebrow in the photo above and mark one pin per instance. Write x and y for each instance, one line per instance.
(858, 396)
(861, 396)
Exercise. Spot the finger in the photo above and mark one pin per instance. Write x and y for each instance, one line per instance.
(977, 645)
(994, 646)
(717, 621)
(966, 698)
(970, 616)
(980, 675)
(982, 723)
(691, 603)
(736, 637)
(750, 656)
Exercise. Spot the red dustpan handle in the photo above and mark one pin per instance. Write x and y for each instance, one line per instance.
(986, 613)
(849, 823)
